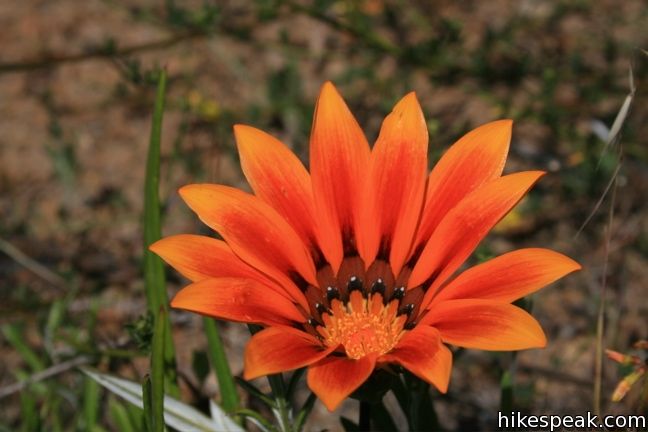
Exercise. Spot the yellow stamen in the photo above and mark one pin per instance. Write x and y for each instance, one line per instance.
(363, 326)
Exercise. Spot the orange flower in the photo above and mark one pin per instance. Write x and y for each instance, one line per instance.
(350, 267)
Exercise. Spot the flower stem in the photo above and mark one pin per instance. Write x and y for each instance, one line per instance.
(364, 422)
(283, 414)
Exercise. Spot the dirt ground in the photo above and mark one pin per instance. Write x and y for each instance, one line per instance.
(75, 105)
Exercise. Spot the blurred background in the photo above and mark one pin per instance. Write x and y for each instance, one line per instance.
(76, 96)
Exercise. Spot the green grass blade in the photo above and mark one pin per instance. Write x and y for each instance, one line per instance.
(91, 394)
(146, 403)
(28, 412)
(153, 267)
(218, 358)
(136, 416)
(157, 371)
(14, 337)
(119, 416)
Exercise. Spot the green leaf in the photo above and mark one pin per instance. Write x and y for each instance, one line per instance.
(256, 418)
(250, 388)
(375, 387)
(294, 380)
(303, 413)
(218, 358)
(421, 414)
(177, 415)
(157, 371)
(153, 267)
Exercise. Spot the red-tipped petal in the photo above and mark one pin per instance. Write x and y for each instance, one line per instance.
(333, 379)
(278, 349)
(477, 158)
(510, 276)
(396, 184)
(466, 225)
(422, 353)
(485, 325)
(254, 231)
(278, 177)
(339, 156)
(200, 257)
(237, 299)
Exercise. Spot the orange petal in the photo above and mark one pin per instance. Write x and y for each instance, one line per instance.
(237, 299)
(200, 257)
(339, 157)
(396, 184)
(485, 325)
(510, 276)
(334, 378)
(421, 352)
(279, 349)
(254, 231)
(477, 158)
(466, 225)
(277, 177)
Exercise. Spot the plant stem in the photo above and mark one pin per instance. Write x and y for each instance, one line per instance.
(364, 422)
(154, 277)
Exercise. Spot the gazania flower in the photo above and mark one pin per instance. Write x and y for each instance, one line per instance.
(352, 267)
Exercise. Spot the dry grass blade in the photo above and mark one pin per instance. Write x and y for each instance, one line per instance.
(32, 265)
(53, 60)
(612, 138)
(601, 199)
(619, 120)
(600, 319)
(44, 374)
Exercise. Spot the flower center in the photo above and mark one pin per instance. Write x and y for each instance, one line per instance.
(363, 326)
(364, 310)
